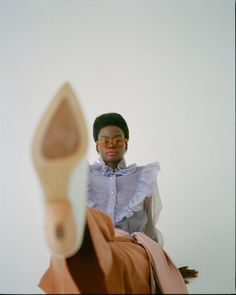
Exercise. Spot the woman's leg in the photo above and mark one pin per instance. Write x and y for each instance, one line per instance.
(104, 263)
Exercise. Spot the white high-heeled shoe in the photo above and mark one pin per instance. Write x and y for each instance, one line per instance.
(59, 155)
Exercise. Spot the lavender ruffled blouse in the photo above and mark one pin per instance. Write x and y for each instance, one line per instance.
(129, 195)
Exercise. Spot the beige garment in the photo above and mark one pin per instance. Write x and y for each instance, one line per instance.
(165, 275)
(110, 262)
(105, 263)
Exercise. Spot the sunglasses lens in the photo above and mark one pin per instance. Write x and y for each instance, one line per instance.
(119, 141)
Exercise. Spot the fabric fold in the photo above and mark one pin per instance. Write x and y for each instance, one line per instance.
(165, 274)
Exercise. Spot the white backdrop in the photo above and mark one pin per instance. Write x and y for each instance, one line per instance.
(168, 68)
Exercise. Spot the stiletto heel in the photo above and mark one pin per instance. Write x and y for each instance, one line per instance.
(59, 155)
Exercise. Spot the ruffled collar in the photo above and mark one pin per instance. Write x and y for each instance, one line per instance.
(101, 168)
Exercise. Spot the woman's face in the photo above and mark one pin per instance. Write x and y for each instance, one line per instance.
(111, 145)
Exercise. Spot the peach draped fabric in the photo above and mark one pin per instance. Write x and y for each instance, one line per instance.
(112, 261)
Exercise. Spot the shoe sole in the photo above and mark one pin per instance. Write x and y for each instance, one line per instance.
(59, 152)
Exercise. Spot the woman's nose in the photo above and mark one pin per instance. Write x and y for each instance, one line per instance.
(111, 144)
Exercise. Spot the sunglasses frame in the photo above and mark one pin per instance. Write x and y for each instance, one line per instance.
(106, 142)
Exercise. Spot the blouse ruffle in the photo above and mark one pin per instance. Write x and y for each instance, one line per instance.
(145, 188)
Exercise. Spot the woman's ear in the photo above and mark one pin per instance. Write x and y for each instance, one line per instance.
(126, 145)
(97, 149)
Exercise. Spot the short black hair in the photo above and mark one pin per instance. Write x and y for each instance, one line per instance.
(110, 119)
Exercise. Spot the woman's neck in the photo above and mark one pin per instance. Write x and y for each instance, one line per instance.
(112, 165)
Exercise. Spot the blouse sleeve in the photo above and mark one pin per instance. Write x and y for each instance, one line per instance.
(153, 207)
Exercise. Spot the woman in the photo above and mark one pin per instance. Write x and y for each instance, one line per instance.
(111, 245)
(124, 193)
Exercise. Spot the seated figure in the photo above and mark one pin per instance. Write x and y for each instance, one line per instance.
(100, 219)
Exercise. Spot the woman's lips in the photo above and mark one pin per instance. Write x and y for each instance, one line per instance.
(111, 153)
